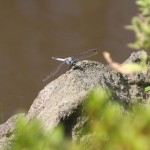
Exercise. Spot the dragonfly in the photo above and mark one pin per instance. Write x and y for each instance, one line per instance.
(71, 61)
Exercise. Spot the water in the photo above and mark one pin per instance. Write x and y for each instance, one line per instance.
(33, 31)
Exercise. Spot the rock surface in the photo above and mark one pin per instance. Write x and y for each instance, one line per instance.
(61, 99)
(6, 130)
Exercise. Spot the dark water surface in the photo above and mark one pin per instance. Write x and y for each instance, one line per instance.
(32, 31)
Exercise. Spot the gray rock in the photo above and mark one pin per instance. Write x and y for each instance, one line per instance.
(62, 99)
(7, 130)
(137, 82)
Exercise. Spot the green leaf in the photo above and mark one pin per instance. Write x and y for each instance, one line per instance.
(147, 89)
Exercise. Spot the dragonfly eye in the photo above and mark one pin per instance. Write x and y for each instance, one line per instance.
(69, 60)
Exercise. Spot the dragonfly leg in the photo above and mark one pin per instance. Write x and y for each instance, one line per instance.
(75, 67)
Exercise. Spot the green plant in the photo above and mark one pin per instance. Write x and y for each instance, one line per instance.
(110, 127)
(147, 89)
(141, 26)
(32, 136)
(116, 128)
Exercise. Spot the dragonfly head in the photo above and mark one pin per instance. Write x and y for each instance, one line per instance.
(70, 61)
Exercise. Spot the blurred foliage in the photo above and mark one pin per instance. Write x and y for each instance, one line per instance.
(147, 89)
(137, 67)
(141, 26)
(110, 127)
(30, 135)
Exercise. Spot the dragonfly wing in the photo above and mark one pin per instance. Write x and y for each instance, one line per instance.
(85, 54)
(53, 72)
